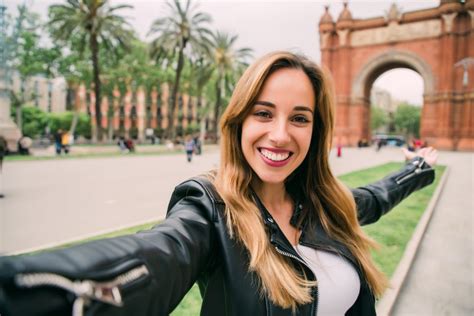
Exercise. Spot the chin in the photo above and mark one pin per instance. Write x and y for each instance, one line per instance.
(272, 179)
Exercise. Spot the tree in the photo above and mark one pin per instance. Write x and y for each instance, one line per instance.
(183, 28)
(202, 71)
(229, 63)
(97, 24)
(378, 118)
(26, 56)
(407, 119)
(133, 69)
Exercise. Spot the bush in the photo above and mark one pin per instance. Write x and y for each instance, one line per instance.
(192, 128)
(133, 132)
(64, 120)
(34, 121)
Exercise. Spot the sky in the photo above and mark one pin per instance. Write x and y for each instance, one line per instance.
(265, 26)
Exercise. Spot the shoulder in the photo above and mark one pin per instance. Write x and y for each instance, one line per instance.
(201, 192)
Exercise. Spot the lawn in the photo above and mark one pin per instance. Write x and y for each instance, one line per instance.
(392, 232)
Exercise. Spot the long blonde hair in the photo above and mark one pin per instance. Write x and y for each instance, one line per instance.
(327, 199)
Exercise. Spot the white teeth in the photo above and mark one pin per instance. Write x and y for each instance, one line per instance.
(273, 156)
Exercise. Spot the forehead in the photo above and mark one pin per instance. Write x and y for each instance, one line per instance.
(288, 86)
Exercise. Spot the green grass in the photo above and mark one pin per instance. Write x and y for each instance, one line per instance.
(392, 232)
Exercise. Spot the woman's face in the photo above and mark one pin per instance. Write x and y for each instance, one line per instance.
(277, 132)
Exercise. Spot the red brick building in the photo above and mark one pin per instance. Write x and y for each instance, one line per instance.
(437, 43)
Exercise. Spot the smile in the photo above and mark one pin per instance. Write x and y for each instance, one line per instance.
(273, 158)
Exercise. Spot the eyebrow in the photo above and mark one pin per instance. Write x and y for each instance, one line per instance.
(297, 108)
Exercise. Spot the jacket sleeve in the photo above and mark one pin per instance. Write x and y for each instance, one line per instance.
(376, 199)
(143, 274)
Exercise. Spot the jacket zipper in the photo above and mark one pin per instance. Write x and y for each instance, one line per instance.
(408, 176)
(85, 290)
(314, 307)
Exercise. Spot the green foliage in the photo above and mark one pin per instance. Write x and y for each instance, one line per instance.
(22, 40)
(229, 63)
(407, 119)
(133, 132)
(34, 121)
(378, 118)
(96, 26)
(183, 32)
(63, 121)
(75, 22)
(191, 128)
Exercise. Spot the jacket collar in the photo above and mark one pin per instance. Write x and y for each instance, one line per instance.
(312, 232)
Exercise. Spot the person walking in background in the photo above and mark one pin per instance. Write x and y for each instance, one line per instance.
(197, 145)
(122, 145)
(189, 147)
(3, 152)
(270, 232)
(58, 141)
(65, 142)
(339, 148)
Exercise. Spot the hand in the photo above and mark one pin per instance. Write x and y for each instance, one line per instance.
(428, 153)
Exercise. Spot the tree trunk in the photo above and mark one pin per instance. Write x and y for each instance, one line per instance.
(19, 113)
(72, 90)
(201, 118)
(217, 107)
(97, 84)
(110, 135)
(75, 118)
(170, 131)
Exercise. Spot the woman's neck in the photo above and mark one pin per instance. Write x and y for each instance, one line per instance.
(274, 197)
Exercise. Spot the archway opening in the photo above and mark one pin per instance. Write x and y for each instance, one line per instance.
(396, 101)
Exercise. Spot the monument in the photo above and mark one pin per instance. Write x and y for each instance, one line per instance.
(437, 43)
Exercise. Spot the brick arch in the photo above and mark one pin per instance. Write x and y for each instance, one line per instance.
(386, 61)
(435, 42)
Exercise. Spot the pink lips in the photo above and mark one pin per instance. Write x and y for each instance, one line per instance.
(275, 163)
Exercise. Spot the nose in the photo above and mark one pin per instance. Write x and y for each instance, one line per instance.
(279, 133)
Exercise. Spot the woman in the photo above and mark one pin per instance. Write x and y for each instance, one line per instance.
(272, 232)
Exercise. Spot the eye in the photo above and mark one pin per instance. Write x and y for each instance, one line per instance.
(300, 119)
(263, 114)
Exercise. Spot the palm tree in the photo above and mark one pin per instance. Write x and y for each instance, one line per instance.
(98, 26)
(229, 63)
(182, 30)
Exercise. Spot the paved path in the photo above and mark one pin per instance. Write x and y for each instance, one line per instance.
(53, 201)
(441, 279)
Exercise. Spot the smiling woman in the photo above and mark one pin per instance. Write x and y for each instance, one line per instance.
(277, 132)
(271, 232)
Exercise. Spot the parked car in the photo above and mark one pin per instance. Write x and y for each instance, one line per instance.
(389, 140)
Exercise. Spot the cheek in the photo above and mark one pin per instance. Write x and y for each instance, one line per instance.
(246, 138)
(305, 141)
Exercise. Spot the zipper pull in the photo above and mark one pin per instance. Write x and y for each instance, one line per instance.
(107, 293)
(86, 290)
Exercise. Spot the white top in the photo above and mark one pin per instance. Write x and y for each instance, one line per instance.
(338, 281)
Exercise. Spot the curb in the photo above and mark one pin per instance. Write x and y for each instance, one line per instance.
(385, 305)
(80, 237)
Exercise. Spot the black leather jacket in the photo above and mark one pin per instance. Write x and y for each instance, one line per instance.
(148, 273)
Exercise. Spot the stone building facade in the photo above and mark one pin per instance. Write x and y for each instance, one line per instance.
(131, 112)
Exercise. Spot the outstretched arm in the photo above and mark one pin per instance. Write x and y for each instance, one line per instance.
(376, 199)
(143, 274)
